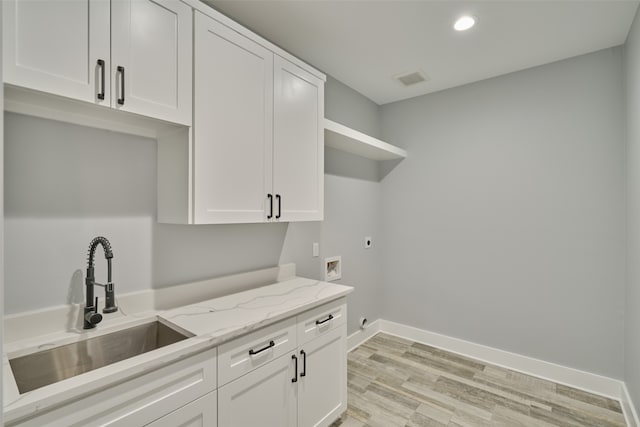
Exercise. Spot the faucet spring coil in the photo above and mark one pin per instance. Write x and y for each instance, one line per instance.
(108, 253)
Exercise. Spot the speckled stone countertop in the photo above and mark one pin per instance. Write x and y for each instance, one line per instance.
(211, 322)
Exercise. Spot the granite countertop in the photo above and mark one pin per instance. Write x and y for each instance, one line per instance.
(212, 322)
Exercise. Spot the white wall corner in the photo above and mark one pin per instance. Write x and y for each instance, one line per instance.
(628, 407)
(361, 335)
(582, 380)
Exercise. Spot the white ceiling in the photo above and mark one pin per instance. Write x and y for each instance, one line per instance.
(365, 43)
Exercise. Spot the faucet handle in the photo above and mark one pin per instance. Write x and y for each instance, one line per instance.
(93, 317)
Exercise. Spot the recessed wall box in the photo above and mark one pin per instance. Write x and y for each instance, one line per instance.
(332, 268)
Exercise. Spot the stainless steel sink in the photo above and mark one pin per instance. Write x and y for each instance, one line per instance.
(49, 366)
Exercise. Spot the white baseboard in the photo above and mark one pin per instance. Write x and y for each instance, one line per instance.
(586, 381)
(582, 380)
(628, 408)
(361, 335)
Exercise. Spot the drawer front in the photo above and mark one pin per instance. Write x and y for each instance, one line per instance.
(139, 401)
(199, 413)
(251, 351)
(317, 322)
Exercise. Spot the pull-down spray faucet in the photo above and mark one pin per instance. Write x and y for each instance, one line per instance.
(91, 315)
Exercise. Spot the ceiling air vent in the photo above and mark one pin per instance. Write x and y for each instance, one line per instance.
(409, 79)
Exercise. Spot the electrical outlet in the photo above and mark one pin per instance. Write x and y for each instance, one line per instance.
(316, 249)
(368, 241)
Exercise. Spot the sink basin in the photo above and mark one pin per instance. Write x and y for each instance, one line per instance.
(56, 364)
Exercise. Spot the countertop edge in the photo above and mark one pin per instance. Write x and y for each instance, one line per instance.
(31, 404)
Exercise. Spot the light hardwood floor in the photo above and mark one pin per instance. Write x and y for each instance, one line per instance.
(395, 382)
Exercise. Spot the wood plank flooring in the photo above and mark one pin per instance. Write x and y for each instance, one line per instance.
(395, 382)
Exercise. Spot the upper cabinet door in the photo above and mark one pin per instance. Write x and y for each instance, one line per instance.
(55, 46)
(233, 107)
(298, 135)
(151, 48)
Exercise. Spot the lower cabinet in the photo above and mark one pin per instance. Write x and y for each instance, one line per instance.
(199, 413)
(289, 374)
(139, 401)
(322, 385)
(306, 387)
(263, 397)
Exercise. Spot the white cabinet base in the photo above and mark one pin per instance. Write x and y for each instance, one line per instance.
(264, 397)
(322, 392)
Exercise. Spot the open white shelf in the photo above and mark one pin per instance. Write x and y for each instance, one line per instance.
(346, 139)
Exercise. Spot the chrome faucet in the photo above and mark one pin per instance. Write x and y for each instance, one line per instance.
(91, 315)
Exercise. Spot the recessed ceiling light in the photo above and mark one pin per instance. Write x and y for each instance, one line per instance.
(464, 23)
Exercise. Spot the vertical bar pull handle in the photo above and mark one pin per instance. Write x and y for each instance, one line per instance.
(270, 197)
(304, 363)
(102, 80)
(295, 377)
(279, 205)
(121, 97)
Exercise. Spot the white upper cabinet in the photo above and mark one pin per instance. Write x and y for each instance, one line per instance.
(255, 152)
(131, 55)
(233, 138)
(59, 47)
(151, 52)
(298, 129)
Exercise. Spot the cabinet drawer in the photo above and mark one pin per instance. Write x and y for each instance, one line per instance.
(139, 401)
(320, 320)
(251, 351)
(199, 413)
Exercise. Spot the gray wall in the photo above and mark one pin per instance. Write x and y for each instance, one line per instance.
(505, 225)
(632, 312)
(352, 211)
(66, 184)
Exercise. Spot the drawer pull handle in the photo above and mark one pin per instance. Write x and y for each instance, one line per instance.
(267, 347)
(295, 377)
(304, 363)
(320, 322)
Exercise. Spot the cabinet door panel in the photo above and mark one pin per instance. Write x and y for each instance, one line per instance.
(232, 128)
(199, 413)
(264, 397)
(152, 40)
(322, 392)
(54, 47)
(298, 160)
